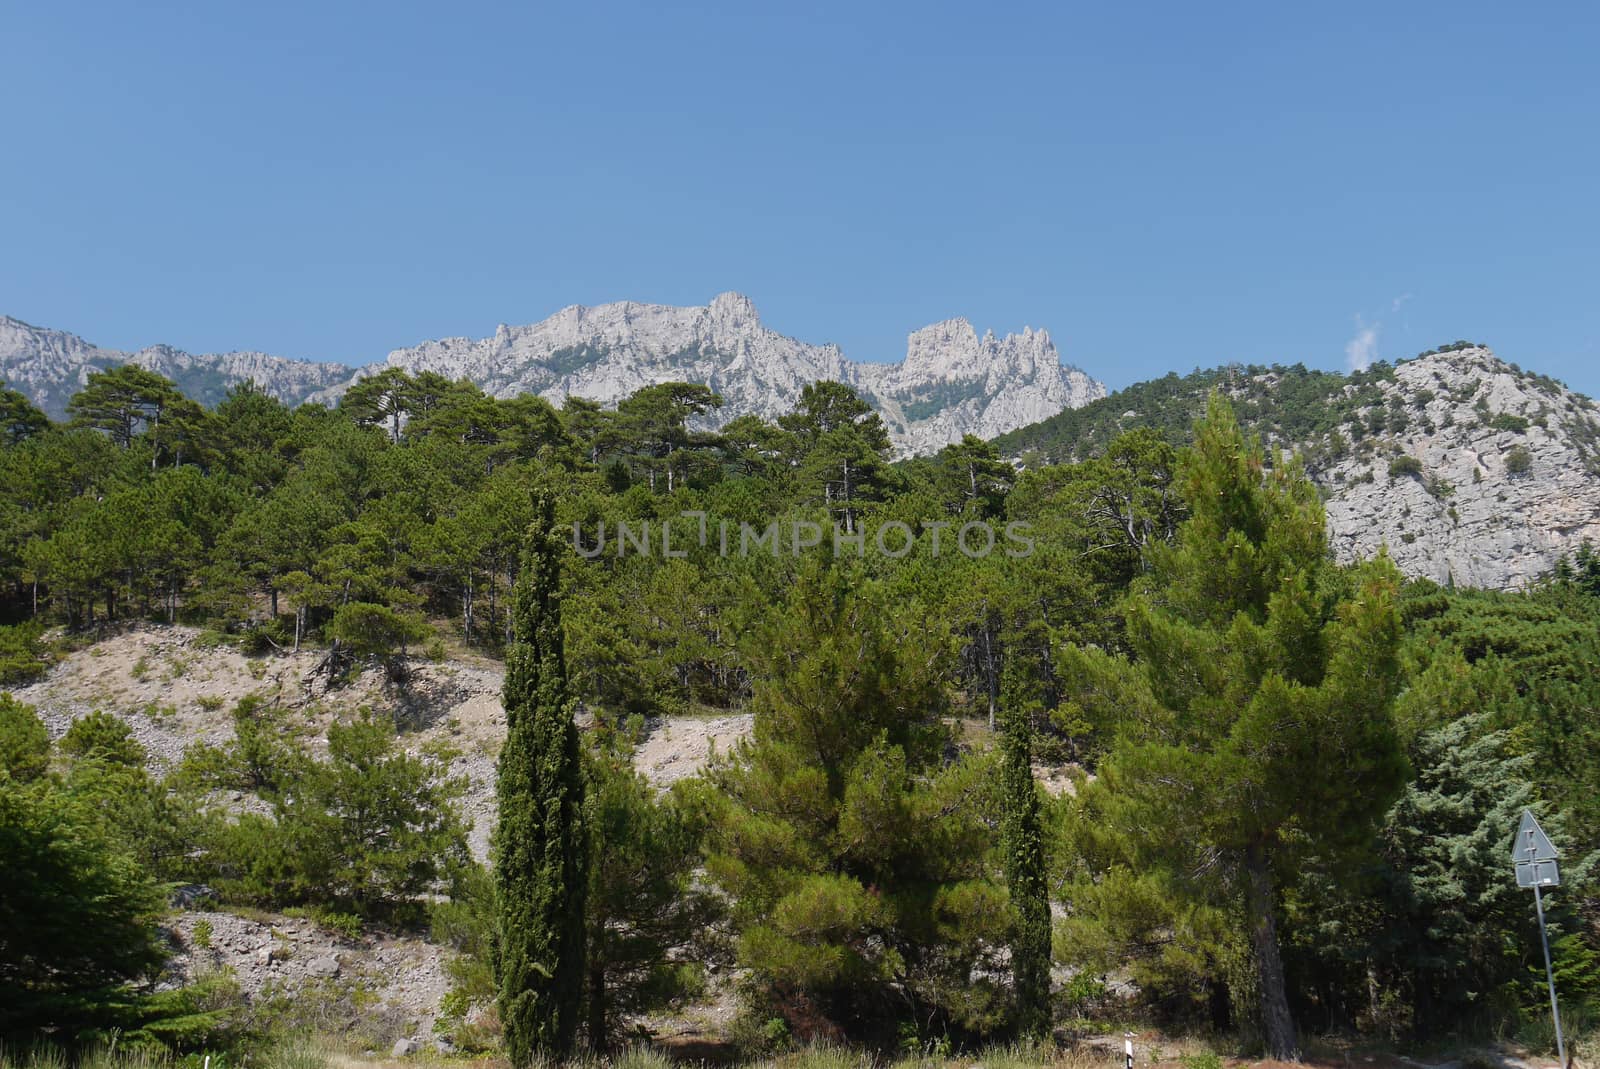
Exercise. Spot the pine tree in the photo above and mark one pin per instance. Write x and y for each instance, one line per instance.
(123, 400)
(645, 904)
(540, 849)
(857, 859)
(1023, 843)
(1254, 729)
(20, 419)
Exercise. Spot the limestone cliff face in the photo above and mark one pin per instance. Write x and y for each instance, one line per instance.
(953, 383)
(950, 384)
(1506, 479)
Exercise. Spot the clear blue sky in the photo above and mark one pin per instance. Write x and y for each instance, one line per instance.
(1162, 186)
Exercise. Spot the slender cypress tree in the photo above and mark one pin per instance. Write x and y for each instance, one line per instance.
(540, 856)
(1023, 843)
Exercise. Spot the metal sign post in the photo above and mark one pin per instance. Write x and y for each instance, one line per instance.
(1534, 856)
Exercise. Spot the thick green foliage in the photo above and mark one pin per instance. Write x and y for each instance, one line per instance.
(1539, 650)
(21, 659)
(858, 863)
(77, 915)
(1253, 733)
(645, 907)
(20, 418)
(1434, 935)
(24, 742)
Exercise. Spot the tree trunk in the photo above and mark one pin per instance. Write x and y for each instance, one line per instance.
(849, 518)
(989, 672)
(597, 1003)
(1277, 1026)
(511, 612)
(494, 616)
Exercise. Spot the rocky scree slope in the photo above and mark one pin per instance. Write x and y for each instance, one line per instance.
(174, 689)
(951, 383)
(1468, 468)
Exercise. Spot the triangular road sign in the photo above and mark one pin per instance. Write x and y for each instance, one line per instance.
(1532, 843)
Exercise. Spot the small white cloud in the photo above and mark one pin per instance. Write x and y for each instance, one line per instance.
(1394, 305)
(1360, 350)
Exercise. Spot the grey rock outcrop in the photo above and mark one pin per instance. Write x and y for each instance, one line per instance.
(1466, 514)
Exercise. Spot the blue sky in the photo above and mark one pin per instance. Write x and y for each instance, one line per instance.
(1162, 186)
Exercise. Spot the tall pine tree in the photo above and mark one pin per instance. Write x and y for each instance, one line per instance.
(1254, 728)
(540, 851)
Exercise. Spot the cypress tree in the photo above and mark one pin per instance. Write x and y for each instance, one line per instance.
(1023, 843)
(540, 853)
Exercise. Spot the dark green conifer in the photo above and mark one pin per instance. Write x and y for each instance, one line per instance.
(540, 854)
(1023, 843)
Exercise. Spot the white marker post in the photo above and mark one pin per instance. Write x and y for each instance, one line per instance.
(1535, 858)
(1127, 1050)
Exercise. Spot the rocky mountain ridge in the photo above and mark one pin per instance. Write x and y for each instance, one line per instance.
(951, 383)
(52, 365)
(1469, 469)
(1493, 476)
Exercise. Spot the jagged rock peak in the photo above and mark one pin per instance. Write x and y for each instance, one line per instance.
(950, 384)
(736, 309)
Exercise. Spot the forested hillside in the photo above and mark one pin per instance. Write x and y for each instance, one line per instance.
(1293, 782)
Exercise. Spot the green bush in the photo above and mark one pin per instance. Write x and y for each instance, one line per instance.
(1203, 1060)
(22, 658)
(365, 833)
(24, 742)
(1518, 461)
(1506, 421)
(103, 737)
(1404, 466)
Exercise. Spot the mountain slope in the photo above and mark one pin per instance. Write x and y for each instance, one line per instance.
(951, 383)
(1469, 469)
(52, 365)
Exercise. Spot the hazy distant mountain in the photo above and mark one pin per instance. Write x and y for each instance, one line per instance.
(52, 365)
(951, 383)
